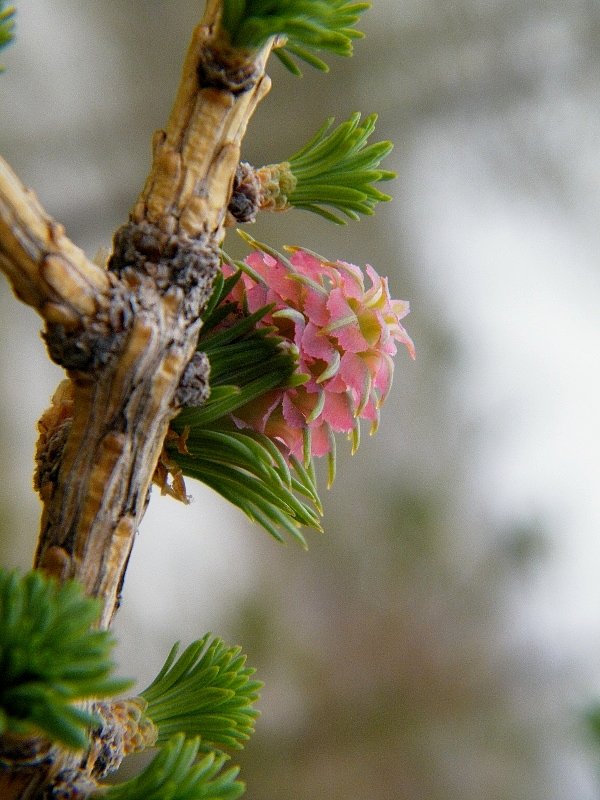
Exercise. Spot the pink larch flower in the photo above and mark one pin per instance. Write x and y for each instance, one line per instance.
(346, 335)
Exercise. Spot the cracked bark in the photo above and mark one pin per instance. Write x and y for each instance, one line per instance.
(125, 334)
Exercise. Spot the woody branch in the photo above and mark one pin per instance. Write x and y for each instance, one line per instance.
(125, 334)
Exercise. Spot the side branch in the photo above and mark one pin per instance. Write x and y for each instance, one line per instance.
(46, 270)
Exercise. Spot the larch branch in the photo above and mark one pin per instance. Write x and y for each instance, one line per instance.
(125, 334)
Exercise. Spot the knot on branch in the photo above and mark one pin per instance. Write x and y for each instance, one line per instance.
(83, 351)
(91, 344)
(69, 784)
(169, 260)
(194, 389)
(245, 196)
(227, 69)
(124, 730)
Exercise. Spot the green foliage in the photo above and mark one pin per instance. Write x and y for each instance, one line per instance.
(246, 361)
(303, 27)
(592, 718)
(50, 657)
(245, 467)
(7, 24)
(207, 692)
(172, 775)
(338, 169)
(248, 470)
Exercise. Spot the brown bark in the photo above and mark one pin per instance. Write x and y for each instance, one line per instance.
(126, 333)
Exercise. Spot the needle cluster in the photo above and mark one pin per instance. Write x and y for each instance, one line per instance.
(51, 658)
(7, 24)
(302, 28)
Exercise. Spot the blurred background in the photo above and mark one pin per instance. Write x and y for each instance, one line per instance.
(442, 639)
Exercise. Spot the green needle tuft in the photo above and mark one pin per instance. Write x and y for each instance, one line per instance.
(208, 692)
(173, 775)
(51, 657)
(337, 169)
(301, 28)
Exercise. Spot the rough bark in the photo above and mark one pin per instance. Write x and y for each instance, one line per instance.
(125, 333)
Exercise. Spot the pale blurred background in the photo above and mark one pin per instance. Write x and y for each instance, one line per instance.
(441, 640)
